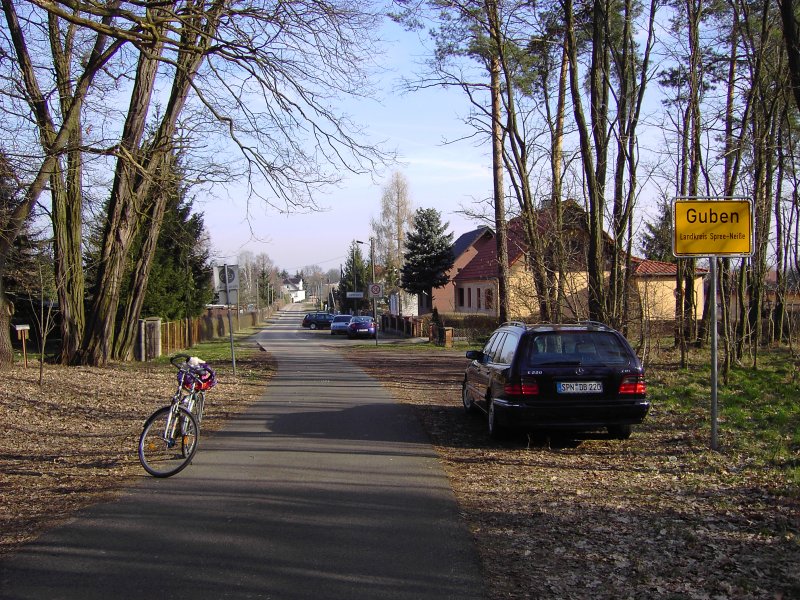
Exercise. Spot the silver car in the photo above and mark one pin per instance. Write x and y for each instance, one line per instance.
(339, 324)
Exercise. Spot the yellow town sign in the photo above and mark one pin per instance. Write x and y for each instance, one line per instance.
(710, 227)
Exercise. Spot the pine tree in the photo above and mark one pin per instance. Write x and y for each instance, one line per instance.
(355, 277)
(178, 285)
(429, 253)
(657, 237)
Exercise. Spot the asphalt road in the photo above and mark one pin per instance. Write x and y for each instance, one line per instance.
(326, 488)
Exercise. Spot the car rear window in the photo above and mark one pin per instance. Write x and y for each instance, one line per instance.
(342, 318)
(575, 347)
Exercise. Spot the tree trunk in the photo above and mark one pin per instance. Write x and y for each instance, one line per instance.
(517, 163)
(6, 310)
(595, 177)
(132, 184)
(557, 144)
(779, 313)
(497, 170)
(791, 36)
(67, 193)
(126, 339)
(733, 154)
(619, 208)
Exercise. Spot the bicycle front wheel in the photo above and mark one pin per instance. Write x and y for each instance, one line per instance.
(168, 441)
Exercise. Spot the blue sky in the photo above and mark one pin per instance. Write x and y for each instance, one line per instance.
(445, 177)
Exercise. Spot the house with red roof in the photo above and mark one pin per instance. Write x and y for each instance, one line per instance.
(464, 251)
(655, 289)
(474, 277)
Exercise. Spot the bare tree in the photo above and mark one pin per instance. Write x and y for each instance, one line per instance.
(593, 140)
(390, 229)
(493, 21)
(791, 36)
(632, 75)
(57, 138)
(469, 33)
(219, 59)
(768, 74)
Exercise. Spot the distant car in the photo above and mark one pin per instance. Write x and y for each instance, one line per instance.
(573, 377)
(361, 327)
(317, 320)
(339, 324)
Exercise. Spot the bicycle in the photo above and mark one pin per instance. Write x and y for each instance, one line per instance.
(169, 438)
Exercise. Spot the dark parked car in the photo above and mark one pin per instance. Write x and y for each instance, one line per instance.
(361, 327)
(573, 377)
(317, 320)
(339, 324)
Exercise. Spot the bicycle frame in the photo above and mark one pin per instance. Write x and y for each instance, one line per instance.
(170, 429)
(193, 399)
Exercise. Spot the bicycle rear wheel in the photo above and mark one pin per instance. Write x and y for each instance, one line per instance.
(168, 441)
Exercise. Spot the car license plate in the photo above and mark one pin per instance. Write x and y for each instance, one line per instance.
(579, 387)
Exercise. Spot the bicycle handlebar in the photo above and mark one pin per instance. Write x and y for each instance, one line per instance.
(200, 376)
(177, 363)
(181, 362)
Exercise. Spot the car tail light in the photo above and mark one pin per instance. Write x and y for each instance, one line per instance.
(526, 388)
(633, 385)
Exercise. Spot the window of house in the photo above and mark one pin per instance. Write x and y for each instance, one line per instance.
(461, 296)
(489, 299)
(469, 297)
(478, 297)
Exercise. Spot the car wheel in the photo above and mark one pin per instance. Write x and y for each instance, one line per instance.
(496, 431)
(469, 407)
(313, 326)
(620, 432)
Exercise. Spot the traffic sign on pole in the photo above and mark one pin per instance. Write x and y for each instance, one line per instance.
(712, 227)
(226, 278)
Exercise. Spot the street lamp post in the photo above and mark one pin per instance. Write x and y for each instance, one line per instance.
(374, 299)
(355, 278)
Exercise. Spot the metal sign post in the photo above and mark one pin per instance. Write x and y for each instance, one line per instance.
(376, 291)
(226, 278)
(712, 227)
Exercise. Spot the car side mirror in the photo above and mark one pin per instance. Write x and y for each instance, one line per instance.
(475, 355)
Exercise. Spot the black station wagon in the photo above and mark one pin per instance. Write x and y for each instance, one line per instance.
(317, 320)
(572, 377)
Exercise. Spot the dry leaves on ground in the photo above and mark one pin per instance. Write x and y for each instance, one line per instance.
(656, 516)
(72, 441)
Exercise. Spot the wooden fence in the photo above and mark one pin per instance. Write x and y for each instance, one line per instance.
(410, 326)
(157, 337)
